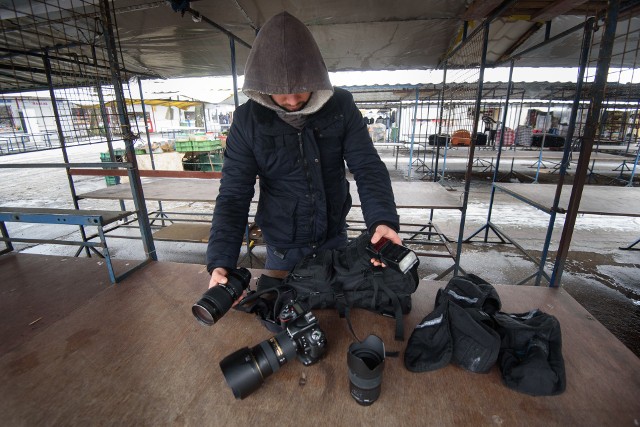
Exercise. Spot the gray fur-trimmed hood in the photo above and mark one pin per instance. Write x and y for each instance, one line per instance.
(285, 59)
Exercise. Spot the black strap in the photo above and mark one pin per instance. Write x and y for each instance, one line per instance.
(397, 308)
(338, 295)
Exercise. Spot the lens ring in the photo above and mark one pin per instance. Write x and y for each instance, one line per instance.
(203, 315)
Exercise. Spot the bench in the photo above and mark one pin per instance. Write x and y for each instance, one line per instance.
(79, 217)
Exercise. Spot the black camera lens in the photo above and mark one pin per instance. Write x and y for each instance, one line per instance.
(366, 363)
(218, 300)
(246, 369)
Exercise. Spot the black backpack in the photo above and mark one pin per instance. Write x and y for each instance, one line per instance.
(344, 278)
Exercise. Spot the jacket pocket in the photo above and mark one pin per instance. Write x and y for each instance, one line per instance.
(278, 155)
(276, 216)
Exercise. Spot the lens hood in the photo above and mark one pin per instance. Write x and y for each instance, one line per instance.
(365, 361)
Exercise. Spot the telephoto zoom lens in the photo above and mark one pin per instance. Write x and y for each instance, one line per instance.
(366, 363)
(245, 370)
(219, 299)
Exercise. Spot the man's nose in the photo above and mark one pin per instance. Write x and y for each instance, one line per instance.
(293, 98)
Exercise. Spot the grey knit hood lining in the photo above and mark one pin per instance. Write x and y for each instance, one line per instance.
(318, 99)
(285, 59)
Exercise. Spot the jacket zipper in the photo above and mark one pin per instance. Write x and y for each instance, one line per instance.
(307, 172)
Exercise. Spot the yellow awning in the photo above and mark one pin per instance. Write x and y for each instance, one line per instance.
(183, 105)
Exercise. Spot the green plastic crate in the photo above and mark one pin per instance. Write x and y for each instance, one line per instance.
(208, 162)
(112, 180)
(118, 154)
(206, 145)
(184, 146)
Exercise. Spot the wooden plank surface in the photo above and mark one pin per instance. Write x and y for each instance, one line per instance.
(184, 232)
(36, 291)
(419, 195)
(133, 354)
(596, 199)
(163, 189)
(415, 194)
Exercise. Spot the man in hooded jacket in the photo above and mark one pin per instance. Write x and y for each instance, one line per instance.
(295, 133)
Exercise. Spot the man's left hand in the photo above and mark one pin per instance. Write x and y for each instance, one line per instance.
(388, 233)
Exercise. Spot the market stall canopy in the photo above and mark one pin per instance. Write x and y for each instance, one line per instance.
(373, 96)
(167, 39)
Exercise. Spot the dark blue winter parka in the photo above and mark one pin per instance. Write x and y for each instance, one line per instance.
(304, 192)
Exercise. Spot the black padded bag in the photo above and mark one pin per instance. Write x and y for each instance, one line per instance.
(345, 278)
(471, 291)
(430, 345)
(467, 338)
(531, 353)
(383, 290)
(476, 344)
(312, 279)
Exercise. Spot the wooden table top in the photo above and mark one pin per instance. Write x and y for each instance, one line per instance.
(133, 354)
(595, 200)
(413, 194)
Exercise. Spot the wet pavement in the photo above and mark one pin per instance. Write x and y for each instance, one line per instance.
(600, 276)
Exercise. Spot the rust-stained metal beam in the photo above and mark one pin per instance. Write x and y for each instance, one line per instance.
(479, 9)
(557, 8)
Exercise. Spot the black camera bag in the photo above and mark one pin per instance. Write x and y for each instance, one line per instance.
(460, 329)
(467, 327)
(531, 353)
(344, 278)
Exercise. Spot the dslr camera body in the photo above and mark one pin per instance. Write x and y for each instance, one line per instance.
(246, 369)
(303, 329)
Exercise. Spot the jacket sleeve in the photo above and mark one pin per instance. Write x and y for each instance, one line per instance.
(237, 188)
(370, 172)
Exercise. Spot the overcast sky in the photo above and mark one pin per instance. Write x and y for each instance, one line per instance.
(206, 87)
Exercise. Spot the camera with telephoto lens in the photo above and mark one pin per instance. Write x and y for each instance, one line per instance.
(396, 256)
(246, 369)
(219, 299)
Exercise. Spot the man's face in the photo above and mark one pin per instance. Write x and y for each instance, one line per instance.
(292, 101)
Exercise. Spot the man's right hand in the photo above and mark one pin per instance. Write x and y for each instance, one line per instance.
(218, 275)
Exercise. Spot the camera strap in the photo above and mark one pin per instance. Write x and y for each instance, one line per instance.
(267, 302)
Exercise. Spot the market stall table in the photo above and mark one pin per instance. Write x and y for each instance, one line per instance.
(78, 351)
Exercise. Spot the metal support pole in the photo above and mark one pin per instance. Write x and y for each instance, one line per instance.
(234, 75)
(146, 128)
(134, 174)
(547, 30)
(544, 136)
(107, 132)
(633, 170)
(472, 145)
(399, 125)
(437, 136)
(413, 133)
(566, 156)
(54, 103)
(591, 126)
(500, 144)
(105, 121)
